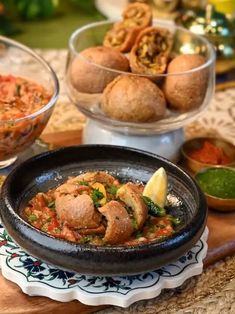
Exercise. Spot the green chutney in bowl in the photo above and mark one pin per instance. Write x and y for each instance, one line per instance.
(218, 184)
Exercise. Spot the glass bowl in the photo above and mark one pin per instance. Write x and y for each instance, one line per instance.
(18, 134)
(89, 103)
(164, 136)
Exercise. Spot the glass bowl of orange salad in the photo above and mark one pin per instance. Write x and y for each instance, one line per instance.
(28, 92)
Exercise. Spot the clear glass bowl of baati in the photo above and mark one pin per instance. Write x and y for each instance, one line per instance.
(164, 135)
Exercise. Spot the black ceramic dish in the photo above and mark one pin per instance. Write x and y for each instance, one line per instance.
(52, 168)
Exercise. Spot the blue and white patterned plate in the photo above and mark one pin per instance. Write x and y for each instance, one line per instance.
(38, 278)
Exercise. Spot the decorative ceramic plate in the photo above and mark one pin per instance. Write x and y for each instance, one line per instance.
(37, 278)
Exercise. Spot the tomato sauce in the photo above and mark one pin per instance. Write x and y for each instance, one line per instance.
(20, 98)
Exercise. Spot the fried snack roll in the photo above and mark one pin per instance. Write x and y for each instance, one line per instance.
(151, 51)
(122, 36)
(132, 197)
(119, 224)
(137, 15)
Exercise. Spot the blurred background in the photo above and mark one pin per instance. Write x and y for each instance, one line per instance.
(45, 23)
(49, 23)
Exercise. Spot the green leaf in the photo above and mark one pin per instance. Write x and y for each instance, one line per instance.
(85, 239)
(96, 196)
(154, 209)
(83, 183)
(51, 205)
(32, 217)
(175, 221)
(112, 189)
(134, 223)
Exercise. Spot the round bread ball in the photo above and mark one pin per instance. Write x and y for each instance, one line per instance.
(133, 99)
(90, 78)
(186, 92)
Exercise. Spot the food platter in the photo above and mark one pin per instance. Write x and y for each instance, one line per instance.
(37, 278)
(54, 166)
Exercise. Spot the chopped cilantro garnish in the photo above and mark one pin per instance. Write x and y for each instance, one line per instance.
(112, 189)
(86, 239)
(32, 217)
(51, 205)
(134, 223)
(129, 210)
(175, 221)
(138, 235)
(96, 196)
(83, 183)
(154, 209)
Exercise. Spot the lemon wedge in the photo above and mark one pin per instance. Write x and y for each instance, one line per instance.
(156, 187)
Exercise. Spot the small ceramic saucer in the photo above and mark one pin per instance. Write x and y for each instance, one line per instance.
(39, 279)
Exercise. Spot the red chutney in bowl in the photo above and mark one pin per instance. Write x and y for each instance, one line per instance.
(20, 98)
(209, 153)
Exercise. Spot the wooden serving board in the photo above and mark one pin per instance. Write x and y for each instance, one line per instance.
(221, 243)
